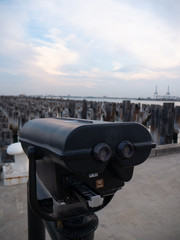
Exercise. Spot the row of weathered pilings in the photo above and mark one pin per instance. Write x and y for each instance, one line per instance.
(163, 121)
(6, 138)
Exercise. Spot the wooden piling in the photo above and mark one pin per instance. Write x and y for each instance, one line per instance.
(72, 108)
(163, 121)
(84, 110)
(167, 124)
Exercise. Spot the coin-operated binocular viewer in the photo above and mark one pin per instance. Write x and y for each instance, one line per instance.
(75, 168)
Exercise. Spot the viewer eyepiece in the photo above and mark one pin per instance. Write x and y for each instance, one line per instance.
(125, 149)
(102, 152)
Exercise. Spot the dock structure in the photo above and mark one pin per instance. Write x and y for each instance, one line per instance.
(162, 121)
(146, 208)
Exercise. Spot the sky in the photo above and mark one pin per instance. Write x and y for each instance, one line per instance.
(114, 48)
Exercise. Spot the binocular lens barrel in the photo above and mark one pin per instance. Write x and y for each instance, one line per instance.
(125, 149)
(102, 152)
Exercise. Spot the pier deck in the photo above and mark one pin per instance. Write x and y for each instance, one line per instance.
(148, 207)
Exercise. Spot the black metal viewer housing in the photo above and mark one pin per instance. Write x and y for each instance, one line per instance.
(76, 166)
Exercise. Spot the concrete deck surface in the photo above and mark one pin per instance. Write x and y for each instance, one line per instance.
(147, 208)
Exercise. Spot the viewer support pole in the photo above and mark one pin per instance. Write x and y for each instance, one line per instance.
(36, 228)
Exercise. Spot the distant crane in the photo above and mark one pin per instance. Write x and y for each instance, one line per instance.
(167, 97)
(168, 92)
(155, 93)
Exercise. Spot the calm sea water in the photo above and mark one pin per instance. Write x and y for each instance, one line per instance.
(117, 100)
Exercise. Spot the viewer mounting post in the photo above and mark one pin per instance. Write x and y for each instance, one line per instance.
(75, 168)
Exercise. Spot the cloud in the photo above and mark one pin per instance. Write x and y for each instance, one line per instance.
(146, 74)
(120, 29)
(117, 66)
(51, 57)
(85, 43)
(142, 35)
(29, 55)
(114, 26)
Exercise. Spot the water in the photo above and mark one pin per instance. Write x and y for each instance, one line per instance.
(118, 100)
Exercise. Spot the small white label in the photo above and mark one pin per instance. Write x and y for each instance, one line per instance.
(92, 175)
